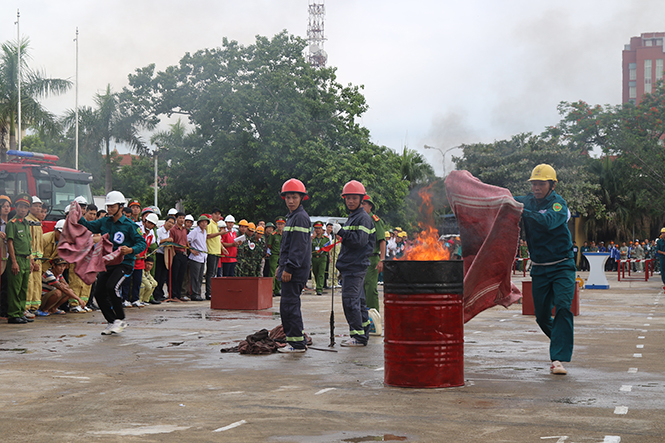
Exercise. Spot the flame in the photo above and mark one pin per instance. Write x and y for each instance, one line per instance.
(427, 245)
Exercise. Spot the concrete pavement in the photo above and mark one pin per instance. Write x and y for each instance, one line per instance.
(164, 379)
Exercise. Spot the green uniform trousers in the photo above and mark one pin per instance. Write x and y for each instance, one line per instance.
(371, 282)
(276, 284)
(554, 286)
(319, 271)
(17, 287)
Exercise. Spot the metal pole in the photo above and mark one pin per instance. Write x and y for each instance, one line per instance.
(18, 51)
(156, 150)
(76, 136)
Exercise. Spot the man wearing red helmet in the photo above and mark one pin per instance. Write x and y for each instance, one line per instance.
(358, 240)
(295, 257)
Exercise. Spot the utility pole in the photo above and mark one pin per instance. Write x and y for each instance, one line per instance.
(316, 57)
(18, 51)
(76, 136)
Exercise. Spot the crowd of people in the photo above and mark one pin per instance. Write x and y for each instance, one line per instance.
(175, 259)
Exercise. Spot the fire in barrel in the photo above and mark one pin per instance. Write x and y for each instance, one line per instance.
(424, 326)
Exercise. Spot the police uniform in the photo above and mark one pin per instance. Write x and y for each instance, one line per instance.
(552, 269)
(18, 230)
(295, 258)
(372, 276)
(123, 232)
(319, 259)
(274, 242)
(34, 295)
(358, 241)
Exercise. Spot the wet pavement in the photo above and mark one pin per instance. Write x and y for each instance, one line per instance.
(164, 379)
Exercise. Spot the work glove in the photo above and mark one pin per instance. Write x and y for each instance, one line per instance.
(336, 228)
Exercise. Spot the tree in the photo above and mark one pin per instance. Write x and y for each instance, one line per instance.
(260, 115)
(110, 120)
(415, 169)
(34, 85)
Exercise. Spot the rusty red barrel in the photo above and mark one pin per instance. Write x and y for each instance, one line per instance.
(424, 323)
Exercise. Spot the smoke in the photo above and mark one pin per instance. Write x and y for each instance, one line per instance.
(448, 131)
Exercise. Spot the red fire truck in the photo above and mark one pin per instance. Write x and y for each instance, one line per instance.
(37, 174)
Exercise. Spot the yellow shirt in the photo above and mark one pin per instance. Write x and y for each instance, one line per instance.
(37, 240)
(214, 244)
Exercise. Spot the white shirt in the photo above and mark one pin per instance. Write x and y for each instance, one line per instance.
(161, 235)
(197, 240)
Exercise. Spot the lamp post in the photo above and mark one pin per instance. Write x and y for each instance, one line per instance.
(443, 155)
(156, 156)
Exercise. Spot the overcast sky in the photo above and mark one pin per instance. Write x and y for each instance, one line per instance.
(436, 72)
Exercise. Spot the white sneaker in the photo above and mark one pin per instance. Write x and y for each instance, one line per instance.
(77, 309)
(126, 304)
(108, 330)
(288, 349)
(138, 304)
(118, 326)
(557, 368)
(352, 343)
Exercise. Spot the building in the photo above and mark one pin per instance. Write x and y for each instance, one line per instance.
(642, 64)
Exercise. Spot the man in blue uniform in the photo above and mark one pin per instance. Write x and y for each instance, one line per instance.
(545, 220)
(660, 253)
(126, 236)
(295, 257)
(358, 242)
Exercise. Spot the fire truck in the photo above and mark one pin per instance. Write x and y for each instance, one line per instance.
(37, 174)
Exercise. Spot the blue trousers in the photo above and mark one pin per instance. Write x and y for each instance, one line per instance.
(355, 307)
(554, 286)
(289, 310)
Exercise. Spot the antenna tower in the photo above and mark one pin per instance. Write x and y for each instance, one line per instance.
(316, 57)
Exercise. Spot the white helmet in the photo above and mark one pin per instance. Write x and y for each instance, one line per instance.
(189, 217)
(115, 198)
(230, 218)
(221, 224)
(82, 201)
(172, 211)
(152, 218)
(67, 209)
(60, 224)
(36, 199)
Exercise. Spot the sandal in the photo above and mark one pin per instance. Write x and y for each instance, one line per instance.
(58, 312)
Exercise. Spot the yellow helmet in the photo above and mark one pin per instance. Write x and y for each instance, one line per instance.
(243, 222)
(543, 172)
(251, 226)
(662, 230)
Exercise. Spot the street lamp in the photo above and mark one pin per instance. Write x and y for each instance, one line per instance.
(156, 155)
(443, 155)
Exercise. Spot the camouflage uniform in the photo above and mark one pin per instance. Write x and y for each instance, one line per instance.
(250, 254)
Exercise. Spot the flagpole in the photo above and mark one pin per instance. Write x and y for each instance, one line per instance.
(18, 51)
(76, 106)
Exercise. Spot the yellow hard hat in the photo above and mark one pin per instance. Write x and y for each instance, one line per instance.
(243, 222)
(402, 234)
(662, 230)
(543, 172)
(387, 233)
(398, 229)
(251, 226)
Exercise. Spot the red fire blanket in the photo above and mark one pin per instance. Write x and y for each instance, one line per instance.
(488, 219)
(76, 246)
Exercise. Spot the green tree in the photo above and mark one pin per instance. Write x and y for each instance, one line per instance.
(415, 169)
(260, 115)
(34, 86)
(110, 120)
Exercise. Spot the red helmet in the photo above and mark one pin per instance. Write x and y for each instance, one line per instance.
(294, 185)
(353, 187)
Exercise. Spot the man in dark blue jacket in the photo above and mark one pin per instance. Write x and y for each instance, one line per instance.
(126, 236)
(545, 220)
(358, 241)
(295, 258)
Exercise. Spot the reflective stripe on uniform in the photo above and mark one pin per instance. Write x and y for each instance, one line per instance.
(301, 338)
(358, 227)
(296, 228)
(353, 332)
(367, 323)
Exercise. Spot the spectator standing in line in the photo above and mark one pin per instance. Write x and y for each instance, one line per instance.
(274, 243)
(294, 265)
(135, 208)
(214, 248)
(584, 263)
(358, 242)
(375, 267)
(179, 265)
(615, 257)
(269, 229)
(229, 259)
(161, 271)
(21, 259)
(197, 239)
(660, 253)
(319, 257)
(34, 296)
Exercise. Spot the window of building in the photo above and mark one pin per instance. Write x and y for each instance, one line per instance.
(659, 69)
(632, 71)
(632, 90)
(647, 76)
(659, 42)
(648, 43)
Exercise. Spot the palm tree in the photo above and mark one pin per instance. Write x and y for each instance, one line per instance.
(414, 168)
(108, 121)
(34, 85)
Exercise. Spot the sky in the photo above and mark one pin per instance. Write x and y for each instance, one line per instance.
(434, 72)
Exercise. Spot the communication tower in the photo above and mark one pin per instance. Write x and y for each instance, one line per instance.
(316, 56)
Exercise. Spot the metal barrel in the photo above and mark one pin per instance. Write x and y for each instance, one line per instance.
(424, 323)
